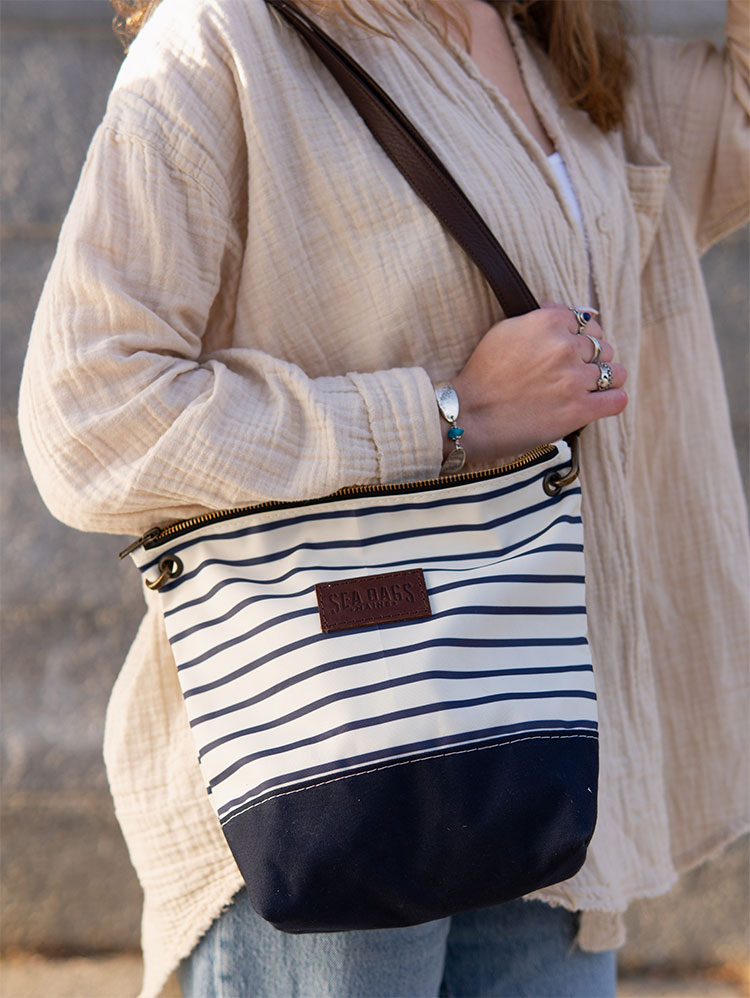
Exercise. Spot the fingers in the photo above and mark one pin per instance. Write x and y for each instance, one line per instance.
(588, 348)
(568, 318)
(590, 343)
(582, 341)
(532, 378)
(594, 372)
(605, 379)
(609, 403)
(605, 401)
(561, 315)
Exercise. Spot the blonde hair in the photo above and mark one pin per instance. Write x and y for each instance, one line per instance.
(585, 41)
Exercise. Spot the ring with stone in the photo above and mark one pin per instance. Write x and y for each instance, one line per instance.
(597, 349)
(583, 316)
(605, 377)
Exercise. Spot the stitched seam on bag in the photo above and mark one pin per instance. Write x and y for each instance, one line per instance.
(406, 762)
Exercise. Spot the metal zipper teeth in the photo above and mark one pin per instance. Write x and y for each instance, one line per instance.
(156, 536)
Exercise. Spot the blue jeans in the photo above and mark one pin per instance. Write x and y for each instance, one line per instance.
(522, 948)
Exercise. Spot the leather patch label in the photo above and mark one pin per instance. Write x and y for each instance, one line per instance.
(373, 599)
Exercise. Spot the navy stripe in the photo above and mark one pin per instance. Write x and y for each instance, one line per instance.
(318, 514)
(433, 566)
(434, 558)
(417, 677)
(387, 538)
(461, 583)
(400, 754)
(318, 670)
(374, 656)
(489, 580)
(384, 652)
(396, 715)
(457, 611)
(282, 618)
(242, 605)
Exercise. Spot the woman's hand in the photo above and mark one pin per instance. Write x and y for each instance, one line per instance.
(530, 381)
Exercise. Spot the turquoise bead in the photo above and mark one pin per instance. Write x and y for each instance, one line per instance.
(455, 432)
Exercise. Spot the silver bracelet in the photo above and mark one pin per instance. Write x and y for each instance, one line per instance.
(447, 401)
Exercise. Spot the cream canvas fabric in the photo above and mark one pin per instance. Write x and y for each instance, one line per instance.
(248, 302)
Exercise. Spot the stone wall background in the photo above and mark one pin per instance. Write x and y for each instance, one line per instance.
(70, 609)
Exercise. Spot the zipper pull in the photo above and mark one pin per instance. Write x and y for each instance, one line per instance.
(150, 534)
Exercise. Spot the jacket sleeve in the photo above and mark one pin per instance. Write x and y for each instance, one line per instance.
(696, 105)
(135, 407)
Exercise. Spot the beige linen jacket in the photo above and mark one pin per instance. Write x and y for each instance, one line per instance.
(248, 302)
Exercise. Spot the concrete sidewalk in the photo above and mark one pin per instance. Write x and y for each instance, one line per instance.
(118, 976)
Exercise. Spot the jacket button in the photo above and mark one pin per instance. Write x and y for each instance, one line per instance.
(602, 222)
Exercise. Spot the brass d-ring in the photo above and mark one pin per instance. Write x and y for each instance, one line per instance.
(170, 567)
(554, 482)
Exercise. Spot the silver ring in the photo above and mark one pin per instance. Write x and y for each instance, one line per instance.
(605, 377)
(583, 316)
(597, 348)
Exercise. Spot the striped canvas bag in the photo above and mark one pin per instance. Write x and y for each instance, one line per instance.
(390, 688)
(390, 691)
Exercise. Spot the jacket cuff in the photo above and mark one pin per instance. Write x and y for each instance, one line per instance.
(404, 423)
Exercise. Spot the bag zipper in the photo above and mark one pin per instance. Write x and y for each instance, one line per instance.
(154, 536)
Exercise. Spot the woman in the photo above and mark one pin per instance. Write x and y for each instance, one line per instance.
(248, 302)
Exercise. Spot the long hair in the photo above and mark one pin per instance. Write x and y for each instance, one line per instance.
(585, 41)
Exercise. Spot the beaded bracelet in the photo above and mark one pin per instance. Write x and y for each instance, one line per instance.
(447, 401)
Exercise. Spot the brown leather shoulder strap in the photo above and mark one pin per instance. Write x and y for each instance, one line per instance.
(423, 170)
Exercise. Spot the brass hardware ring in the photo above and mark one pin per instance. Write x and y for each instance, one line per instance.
(553, 482)
(170, 567)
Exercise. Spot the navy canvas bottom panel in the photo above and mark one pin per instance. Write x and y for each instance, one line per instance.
(421, 840)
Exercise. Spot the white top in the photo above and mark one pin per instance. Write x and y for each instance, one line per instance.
(557, 163)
